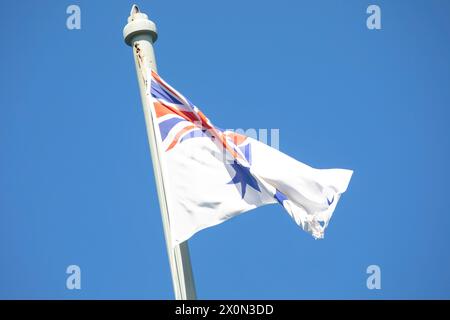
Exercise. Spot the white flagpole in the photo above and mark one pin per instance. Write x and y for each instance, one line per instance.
(140, 33)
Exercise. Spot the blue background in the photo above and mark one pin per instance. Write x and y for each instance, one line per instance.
(76, 182)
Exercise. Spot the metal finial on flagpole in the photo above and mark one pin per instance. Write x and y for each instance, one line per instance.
(138, 23)
(140, 33)
(134, 10)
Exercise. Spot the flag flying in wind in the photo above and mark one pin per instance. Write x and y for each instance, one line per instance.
(211, 175)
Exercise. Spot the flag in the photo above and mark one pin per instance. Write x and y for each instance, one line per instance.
(211, 175)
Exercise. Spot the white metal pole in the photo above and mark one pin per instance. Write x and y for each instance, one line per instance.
(140, 33)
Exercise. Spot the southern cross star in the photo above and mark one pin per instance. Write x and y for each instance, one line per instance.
(244, 177)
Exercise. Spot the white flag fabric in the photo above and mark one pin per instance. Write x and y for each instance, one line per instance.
(211, 175)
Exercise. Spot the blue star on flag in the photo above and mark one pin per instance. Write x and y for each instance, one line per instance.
(243, 177)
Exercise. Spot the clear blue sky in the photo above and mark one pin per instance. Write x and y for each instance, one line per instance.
(76, 182)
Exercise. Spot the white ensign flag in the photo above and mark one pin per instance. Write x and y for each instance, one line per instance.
(211, 175)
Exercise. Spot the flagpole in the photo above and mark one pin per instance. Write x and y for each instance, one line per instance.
(140, 33)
